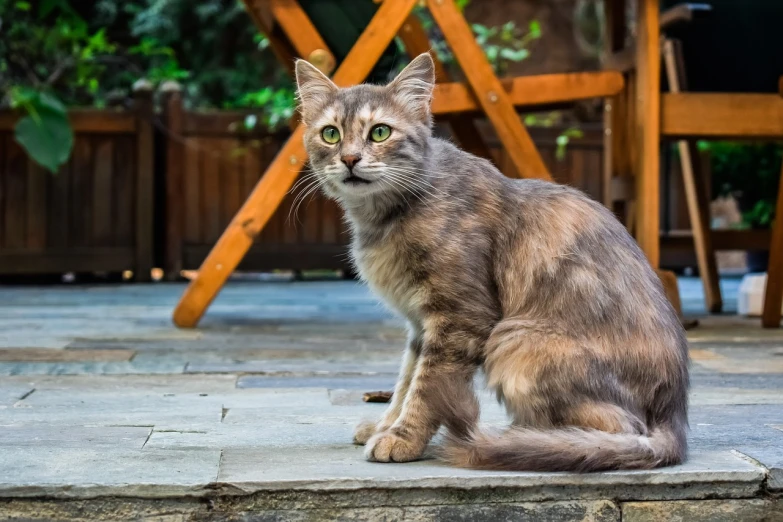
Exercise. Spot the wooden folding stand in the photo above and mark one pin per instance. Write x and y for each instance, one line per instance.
(292, 33)
(642, 115)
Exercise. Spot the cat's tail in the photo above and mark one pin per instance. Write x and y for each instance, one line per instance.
(569, 449)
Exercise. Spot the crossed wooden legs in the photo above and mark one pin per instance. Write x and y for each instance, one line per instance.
(488, 93)
(269, 192)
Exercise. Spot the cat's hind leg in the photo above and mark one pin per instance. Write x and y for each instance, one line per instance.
(548, 380)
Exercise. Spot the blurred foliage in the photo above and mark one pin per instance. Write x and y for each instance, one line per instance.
(751, 173)
(56, 53)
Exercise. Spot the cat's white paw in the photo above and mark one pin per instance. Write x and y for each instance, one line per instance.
(388, 447)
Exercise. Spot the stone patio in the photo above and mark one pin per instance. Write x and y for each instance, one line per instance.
(108, 412)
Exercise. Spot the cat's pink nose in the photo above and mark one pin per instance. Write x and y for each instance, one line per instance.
(350, 160)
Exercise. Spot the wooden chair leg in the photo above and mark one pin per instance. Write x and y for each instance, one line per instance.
(773, 296)
(494, 100)
(697, 200)
(232, 246)
(648, 130)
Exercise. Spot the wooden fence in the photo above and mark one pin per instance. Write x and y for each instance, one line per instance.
(143, 190)
(212, 164)
(96, 213)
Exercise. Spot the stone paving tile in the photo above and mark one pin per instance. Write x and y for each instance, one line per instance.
(76, 472)
(706, 396)
(298, 367)
(770, 455)
(76, 437)
(10, 393)
(140, 366)
(126, 383)
(49, 355)
(331, 465)
(364, 383)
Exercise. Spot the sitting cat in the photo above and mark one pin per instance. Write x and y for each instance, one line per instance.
(532, 281)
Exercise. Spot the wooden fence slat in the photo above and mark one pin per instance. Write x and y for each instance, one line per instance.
(81, 191)
(102, 224)
(210, 192)
(37, 184)
(16, 188)
(4, 145)
(124, 192)
(59, 208)
(192, 180)
(230, 184)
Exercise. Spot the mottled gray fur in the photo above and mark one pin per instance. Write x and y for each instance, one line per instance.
(532, 281)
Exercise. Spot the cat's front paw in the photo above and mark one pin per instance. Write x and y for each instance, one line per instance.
(388, 447)
(364, 432)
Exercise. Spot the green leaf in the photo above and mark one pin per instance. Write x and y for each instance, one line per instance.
(535, 29)
(48, 141)
(22, 6)
(514, 55)
(492, 52)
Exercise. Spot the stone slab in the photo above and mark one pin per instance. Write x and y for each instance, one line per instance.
(75, 437)
(48, 355)
(335, 465)
(597, 511)
(704, 511)
(77, 473)
(359, 382)
(734, 396)
(771, 457)
(12, 392)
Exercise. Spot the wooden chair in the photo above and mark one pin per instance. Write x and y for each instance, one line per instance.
(642, 116)
(618, 176)
(292, 33)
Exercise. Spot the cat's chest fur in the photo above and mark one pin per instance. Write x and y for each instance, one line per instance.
(385, 262)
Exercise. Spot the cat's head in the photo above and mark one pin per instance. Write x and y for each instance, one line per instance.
(367, 140)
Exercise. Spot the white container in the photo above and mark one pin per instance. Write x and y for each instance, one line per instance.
(750, 300)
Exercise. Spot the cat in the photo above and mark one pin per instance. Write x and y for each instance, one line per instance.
(531, 281)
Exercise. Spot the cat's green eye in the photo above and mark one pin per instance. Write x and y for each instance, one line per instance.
(330, 135)
(379, 133)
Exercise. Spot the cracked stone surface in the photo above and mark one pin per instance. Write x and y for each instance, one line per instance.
(105, 407)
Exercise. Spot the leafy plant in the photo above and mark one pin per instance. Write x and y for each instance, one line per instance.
(45, 131)
(750, 172)
(51, 57)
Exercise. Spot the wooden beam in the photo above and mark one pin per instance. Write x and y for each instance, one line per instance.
(531, 91)
(695, 188)
(719, 115)
(259, 12)
(274, 185)
(648, 117)
(615, 152)
(416, 42)
(721, 239)
(773, 295)
(302, 33)
(84, 120)
(491, 96)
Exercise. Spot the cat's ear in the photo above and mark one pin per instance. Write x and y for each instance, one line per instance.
(413, 86)
(313, 88)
